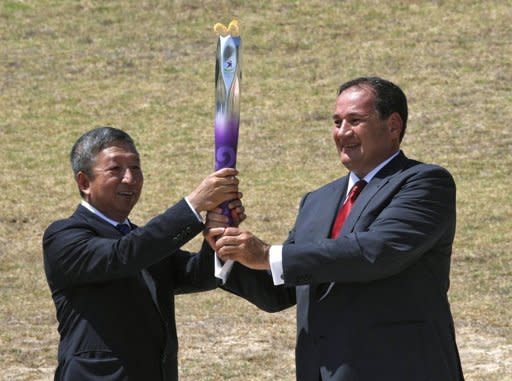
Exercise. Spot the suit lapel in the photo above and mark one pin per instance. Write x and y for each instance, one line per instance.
(367, 194)
(150, 283)
(328, 208)
(110, 231)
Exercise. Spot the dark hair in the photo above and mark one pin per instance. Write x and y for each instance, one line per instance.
(389, 98)
(84, 151)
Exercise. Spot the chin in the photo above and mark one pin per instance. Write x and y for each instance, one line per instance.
(346, 161)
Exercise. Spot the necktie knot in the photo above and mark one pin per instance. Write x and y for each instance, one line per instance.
(356, 189)
(123, 228)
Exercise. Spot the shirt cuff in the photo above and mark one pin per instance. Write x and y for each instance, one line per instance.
(193, 210)
(222, 270)
(275, 257)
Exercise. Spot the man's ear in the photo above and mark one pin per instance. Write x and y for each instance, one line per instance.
(395, 125)
(83, 183)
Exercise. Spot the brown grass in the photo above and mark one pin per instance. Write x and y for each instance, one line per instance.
(148, 67)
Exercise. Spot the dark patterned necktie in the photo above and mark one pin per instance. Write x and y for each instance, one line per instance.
(124, 229)
(344, 211)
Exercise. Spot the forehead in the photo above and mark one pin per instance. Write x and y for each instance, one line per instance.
(355, 100)
(118, 150)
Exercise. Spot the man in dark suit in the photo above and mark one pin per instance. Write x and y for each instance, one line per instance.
(369, 273)
(113, 283)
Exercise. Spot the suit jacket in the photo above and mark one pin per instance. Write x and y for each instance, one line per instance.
(387, 316)
(114, 295)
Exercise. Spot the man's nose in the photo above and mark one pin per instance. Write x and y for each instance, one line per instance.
(129, 176)
(344, 129)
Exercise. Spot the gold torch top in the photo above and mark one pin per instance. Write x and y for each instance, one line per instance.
(232, 29)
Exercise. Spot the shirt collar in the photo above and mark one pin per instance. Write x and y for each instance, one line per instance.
(95, 211)
(354, 179)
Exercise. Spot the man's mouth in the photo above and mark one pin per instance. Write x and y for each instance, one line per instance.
(349, 146)
(126, 194)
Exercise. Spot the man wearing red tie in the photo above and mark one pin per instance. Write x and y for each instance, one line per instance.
(367, 262)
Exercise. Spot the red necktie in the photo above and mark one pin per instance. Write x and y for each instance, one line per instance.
(344, 211)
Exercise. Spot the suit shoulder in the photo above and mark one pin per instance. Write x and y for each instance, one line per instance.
(427, 174)
(58, 225)
(418, 167)
(75, 221)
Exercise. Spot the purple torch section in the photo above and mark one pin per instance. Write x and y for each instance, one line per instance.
(227, 103)
(226, 143)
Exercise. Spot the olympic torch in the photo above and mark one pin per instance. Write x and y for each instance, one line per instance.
(228, 73)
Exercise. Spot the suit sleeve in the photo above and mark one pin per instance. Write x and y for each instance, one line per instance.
(75, 252)
(193, 272)
(257, 286)
(416, 215)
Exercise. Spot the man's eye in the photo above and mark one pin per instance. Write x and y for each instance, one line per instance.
(337, 123)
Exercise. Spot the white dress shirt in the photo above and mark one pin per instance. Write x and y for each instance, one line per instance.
(101, 215)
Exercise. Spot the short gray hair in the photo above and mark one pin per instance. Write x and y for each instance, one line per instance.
(84, 151)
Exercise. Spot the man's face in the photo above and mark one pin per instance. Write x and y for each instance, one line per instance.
(116, 182)
(362, 138)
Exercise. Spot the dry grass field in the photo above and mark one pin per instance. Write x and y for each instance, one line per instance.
(147, 66)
